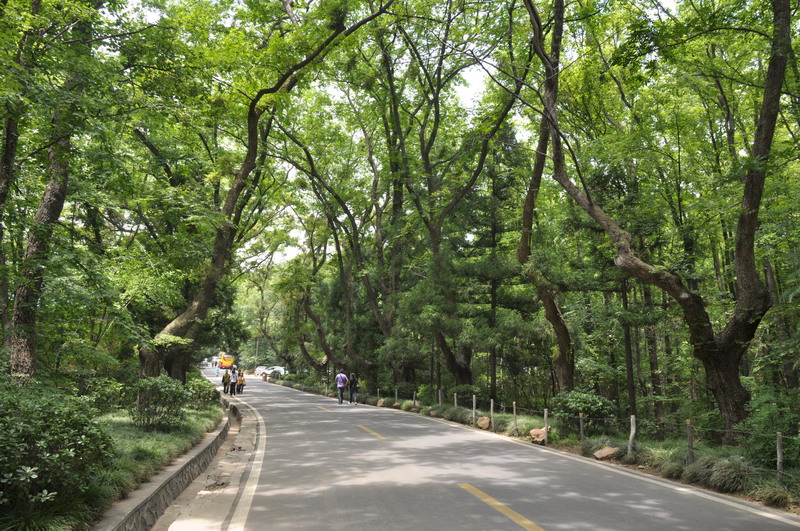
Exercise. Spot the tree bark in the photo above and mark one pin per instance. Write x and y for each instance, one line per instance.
(564, 361)
(26, 298)
(651, 342)
(630, 383)
(8, 161)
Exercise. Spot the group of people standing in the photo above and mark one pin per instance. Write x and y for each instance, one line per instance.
(233, 382)
(345, 383)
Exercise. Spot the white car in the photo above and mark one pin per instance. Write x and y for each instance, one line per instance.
(276, 368)
(261, 369)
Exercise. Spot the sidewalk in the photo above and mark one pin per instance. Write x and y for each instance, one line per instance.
(208, 502)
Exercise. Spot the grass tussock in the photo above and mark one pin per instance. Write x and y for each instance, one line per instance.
(772, 494)
(671, 470)
(733, 474)
(699, 472)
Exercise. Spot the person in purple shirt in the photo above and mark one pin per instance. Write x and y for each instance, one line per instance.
(341, 384)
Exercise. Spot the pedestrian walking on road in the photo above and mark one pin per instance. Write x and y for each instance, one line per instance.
(240, 383)
(226, 382)
(353, 385)
(341, 384)
(233, 386)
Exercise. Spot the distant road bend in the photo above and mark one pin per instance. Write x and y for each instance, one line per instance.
(319, 465)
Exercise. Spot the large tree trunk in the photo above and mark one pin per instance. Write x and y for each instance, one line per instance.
(459, 364)
(564, 361)
(8, 158)
(630, 383)
(26, 298)
(652, 352)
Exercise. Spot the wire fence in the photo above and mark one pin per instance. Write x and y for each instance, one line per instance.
(637, 429)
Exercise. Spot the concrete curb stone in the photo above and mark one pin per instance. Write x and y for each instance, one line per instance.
(142, 507)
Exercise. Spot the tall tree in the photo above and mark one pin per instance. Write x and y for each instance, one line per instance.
(263, 103)
(722, 353)
(65, 122)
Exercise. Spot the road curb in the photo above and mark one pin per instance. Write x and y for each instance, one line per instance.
(142, 507)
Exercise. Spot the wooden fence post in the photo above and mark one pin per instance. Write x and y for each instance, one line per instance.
(440, 397)
(455, 399)
(633, 435)
(491, 413)
(415, 399)
(580, 424)
(474, 405)
(689, 442)
(546, 427)
(515, 416)
(779, 447)
(396, 399)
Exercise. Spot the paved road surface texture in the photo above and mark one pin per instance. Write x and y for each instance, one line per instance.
(321, 465)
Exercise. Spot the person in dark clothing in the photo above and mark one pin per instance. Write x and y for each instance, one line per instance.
(353, 385)
(226, 382)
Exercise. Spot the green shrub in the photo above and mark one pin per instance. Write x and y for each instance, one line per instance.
(51, 449)
(567, 407)
(106, 394)
(658, 456)
(733, 474)
(770, 413)
(458, 414)
(706, 418)
(439, 410)
(311, 380)
(405, 390)
(407, 405)
(700, 471)
(160, 403)
(426, 394)
(201, 391)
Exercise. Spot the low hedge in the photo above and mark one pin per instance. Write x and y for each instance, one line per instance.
(51, 451)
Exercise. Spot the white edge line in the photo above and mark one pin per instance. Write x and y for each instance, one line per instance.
(246, 499)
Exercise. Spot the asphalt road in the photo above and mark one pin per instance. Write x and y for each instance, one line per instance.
(319, 465)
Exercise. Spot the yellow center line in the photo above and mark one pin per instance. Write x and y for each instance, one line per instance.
(325, 409)
(371, 432)
(495, 504)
